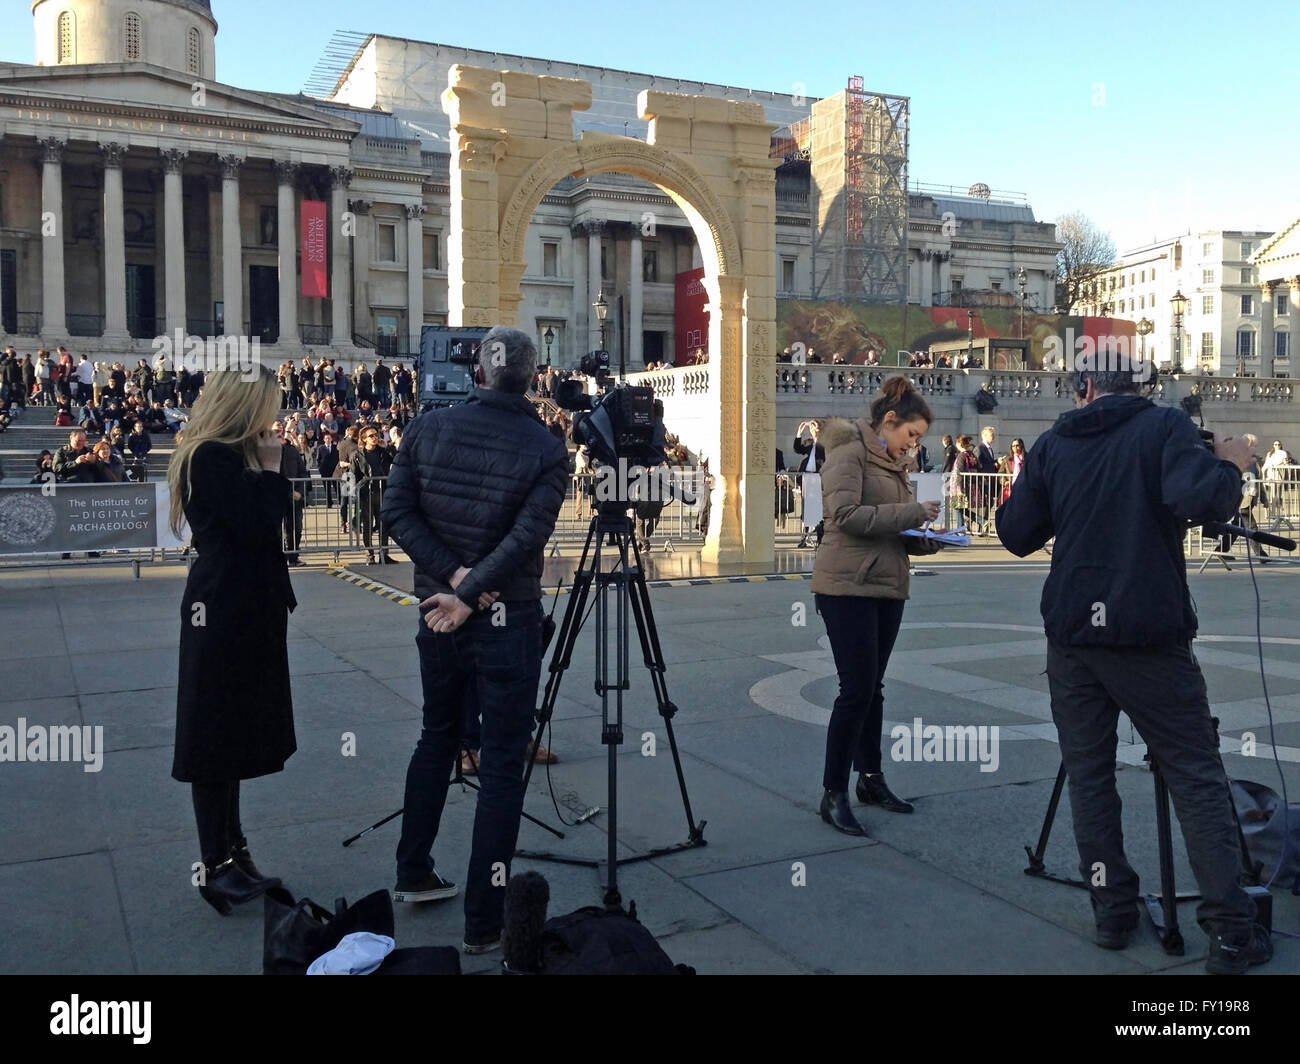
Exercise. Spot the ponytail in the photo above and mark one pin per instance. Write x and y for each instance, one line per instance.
(897, 396)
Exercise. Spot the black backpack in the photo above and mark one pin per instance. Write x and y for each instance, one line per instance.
(594, 941)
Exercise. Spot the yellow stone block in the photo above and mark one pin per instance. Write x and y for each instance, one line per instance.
(572, 91)
(518, 85)
(524, 118)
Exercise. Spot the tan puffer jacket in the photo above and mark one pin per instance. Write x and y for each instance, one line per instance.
(868, 502)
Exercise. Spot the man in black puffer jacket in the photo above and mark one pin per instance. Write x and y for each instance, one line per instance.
(472, 499)
(1118, 482)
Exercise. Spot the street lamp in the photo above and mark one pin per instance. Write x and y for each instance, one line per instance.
(1021, 282)
(1179, 303)
(601, 306)
(1144, 328)
(548, 338)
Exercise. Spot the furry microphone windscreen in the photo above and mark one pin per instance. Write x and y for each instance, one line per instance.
(527, 896)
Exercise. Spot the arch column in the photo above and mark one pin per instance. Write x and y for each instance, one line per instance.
(473, 255)
(724, 541)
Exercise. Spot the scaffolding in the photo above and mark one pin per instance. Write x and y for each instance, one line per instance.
(875, 196)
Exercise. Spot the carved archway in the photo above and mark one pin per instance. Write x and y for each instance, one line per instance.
(512, 141)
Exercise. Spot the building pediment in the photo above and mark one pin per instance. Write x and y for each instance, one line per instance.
(1280, 257)
(135, 90)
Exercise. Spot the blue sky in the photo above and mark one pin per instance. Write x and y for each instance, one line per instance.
(1152, 118)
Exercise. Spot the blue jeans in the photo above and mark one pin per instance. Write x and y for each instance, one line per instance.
(503, 665)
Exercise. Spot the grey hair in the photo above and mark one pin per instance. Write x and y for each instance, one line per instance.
(509, 359)
(1111, 383)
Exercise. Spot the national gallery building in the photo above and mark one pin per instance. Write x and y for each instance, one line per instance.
(140, 196)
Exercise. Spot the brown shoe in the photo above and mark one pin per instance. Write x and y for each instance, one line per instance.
(469, 763)
(540, 754)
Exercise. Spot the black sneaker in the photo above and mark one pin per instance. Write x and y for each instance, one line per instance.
(431, 888)
(485, 942)
(1115, 934)
(1232, 952)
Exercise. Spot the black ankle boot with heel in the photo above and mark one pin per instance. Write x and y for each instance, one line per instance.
(872, 790)
(227, 885)
(836, 812)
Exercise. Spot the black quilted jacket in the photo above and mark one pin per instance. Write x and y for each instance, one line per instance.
(478, 485)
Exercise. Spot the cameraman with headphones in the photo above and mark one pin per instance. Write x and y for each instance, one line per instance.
(1117, 482)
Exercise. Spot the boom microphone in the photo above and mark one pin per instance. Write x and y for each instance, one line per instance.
(1221, 528)
(527, 896)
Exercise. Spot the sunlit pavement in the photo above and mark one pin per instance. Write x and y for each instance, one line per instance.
(96, 865)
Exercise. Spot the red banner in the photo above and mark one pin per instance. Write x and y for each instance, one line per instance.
(690, 318)
(314, 244)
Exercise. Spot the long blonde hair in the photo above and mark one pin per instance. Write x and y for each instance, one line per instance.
(232, 410)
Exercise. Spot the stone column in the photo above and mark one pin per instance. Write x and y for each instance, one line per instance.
(361, 255)
(173, 160)
(1266, 289)
(473, 251)
(635, 356)
(594, 288)
(726, 368)
(212, 189)
(581, 309)
(53, 291)
(232, 246)
(114, 242)
(340, 286)
(1293, 324)
(414, 274)
(286, 174)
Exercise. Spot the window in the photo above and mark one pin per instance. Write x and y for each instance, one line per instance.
(1207, 250)
(1131, 278)
(1207, 304)
(131, 36)
(1130, 305)
(1281, 345)
(606, 266)
(1283, 306)
(193, 52)
(1153, 273)
(386, 242)
(1207, 346)
(1246, 277)
(1142, 302)
(432, 251)
(550, 258)
(1245, 249)
(997, 286)
(1247, 305)
(650, 265)
(1207, 277)
(1142, 276)
(67, 49)
(1245, 343)
(787, 275)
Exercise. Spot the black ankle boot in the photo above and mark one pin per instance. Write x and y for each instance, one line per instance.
(836, 812)
(873, 790)
(227, 885)
(240, 855)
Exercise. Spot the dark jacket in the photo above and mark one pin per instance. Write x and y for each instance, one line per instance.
(294, 466)
(988, 458)
(805, 448)
(1117, 483)
(367, 467)
(139, 444)
(327, 459)
(478, 485)
(67, 468)
(234, 711)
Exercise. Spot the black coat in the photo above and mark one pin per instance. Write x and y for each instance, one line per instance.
(1117, 483)
(234, 712)
(478, 485)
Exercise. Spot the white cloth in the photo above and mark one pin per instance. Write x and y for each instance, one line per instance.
(811, 484)
(359, 953)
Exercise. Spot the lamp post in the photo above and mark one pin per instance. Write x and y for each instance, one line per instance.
(601, 307)
(1179, 303)
(1021, 283)
(548, 338)
(1144, 328)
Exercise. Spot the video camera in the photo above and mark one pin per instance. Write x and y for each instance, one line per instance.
(617, 425)
(1191, 405)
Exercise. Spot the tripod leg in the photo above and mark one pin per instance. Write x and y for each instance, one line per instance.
(1036, 866)
(653, 654)
(1170, 937)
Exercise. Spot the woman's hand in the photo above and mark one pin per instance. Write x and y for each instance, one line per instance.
(931, 510)
(268, 452)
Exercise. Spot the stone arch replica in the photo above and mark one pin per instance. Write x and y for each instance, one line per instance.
(512, 140)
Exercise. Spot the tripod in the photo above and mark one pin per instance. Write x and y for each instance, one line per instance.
(1162, 908)
(625, 583)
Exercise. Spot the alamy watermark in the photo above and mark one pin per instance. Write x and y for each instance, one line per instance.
(953, 742)
(59, 742)
(211, 354)
(1100, 354)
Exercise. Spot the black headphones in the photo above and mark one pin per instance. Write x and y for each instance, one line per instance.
(1080, 384)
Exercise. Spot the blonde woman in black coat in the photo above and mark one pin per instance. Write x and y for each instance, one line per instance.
(234, 714)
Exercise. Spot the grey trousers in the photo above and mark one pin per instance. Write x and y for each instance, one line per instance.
(1163, 692)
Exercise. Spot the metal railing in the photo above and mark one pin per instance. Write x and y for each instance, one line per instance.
(314, 335)
(85, 324)
(27, 323)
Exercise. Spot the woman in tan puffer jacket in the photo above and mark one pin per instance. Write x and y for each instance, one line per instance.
(860, 583)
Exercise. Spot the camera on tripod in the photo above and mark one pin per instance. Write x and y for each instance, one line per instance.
(1191, 405)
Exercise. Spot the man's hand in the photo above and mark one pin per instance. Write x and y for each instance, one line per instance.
(448, 613)
(457, 578)
(1233, 449)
